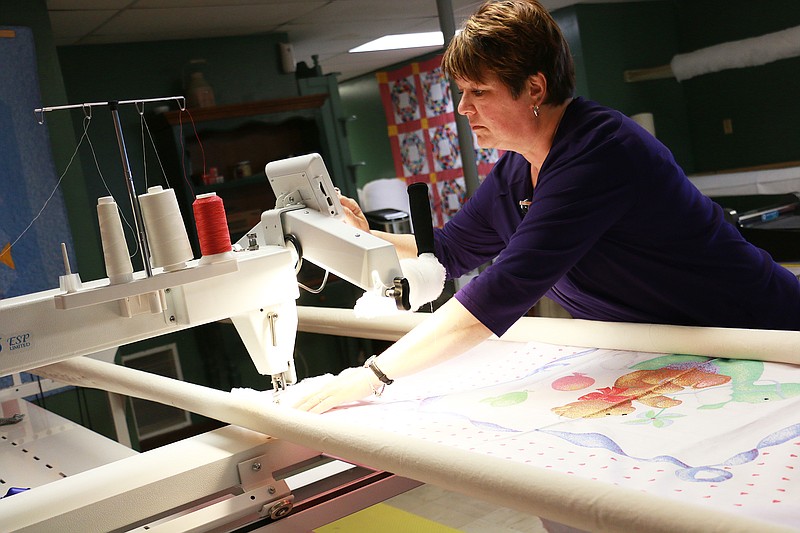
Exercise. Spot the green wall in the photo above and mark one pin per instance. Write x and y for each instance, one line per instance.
(625, 36)
(567, 20)
(240, 69)
(761, 102)
(369, 139)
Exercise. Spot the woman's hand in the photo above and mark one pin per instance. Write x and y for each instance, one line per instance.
(353, 214)
(350, 385)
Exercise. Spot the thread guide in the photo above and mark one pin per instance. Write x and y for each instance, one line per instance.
(113, 106)
(141, 283)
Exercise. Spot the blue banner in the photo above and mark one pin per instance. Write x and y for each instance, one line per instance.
(28, 177)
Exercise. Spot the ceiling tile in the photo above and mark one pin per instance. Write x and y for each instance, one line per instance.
(361, 11)
(72, 24)
(215, 3)
(80, 5)
(202, 21)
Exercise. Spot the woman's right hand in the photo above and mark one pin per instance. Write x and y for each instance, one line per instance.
(352, 384)
(353, 214)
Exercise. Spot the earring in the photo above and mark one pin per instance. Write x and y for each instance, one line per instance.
(536, 111)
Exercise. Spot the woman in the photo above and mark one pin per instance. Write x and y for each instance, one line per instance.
(614, 230)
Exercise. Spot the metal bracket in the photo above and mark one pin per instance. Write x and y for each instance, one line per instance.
(256, 475)
(272, 224)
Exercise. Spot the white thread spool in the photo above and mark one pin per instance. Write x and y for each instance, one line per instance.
(166, 233)
(115, 248)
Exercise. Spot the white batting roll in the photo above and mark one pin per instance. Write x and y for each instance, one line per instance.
(738, 54)
(115, 249)
(753, 344)
(169, 243)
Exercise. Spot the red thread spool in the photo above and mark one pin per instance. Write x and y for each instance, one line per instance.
(212, 226)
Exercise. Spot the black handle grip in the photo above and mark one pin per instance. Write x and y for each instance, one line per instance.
(421, 217)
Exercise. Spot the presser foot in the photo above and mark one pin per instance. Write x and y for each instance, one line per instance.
(279, 385)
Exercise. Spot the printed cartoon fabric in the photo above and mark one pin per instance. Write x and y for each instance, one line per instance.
(422, 131)
(721, 432)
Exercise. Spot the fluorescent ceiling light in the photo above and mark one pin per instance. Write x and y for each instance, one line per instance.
(405, 40)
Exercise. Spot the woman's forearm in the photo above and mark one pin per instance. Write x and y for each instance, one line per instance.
(450, 331)
(404, 243)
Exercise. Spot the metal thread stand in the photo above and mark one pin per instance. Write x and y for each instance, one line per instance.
(138, 221)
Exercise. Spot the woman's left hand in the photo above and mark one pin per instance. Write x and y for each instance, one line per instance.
(353, 214)
(351, 385)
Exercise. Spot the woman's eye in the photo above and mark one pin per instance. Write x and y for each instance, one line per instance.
(477, 92)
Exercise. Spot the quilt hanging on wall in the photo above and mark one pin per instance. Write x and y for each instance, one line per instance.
(30, 257)
(422, 132)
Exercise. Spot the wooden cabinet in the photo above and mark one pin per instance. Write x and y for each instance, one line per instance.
(222, 140)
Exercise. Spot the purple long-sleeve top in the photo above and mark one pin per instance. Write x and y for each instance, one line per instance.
(615, 231)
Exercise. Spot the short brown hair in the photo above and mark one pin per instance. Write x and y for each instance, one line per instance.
(513, 39)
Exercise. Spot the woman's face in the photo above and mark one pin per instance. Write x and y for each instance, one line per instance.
(497, 119)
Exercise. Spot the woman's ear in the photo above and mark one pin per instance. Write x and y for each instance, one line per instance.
(537, 88)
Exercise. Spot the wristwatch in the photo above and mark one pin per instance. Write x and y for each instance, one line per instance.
(377, 371)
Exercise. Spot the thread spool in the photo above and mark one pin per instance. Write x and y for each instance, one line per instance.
(169, 243)
(212, 226)
(115, 249)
